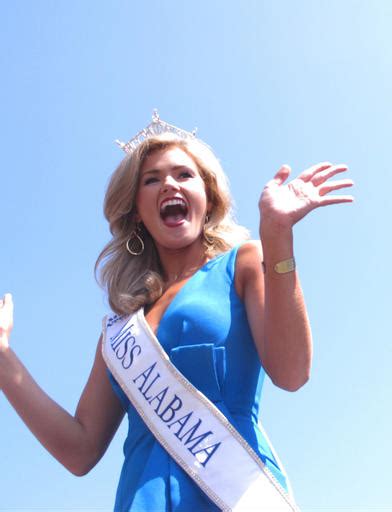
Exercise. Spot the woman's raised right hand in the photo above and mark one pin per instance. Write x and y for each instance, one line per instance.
(6, 320)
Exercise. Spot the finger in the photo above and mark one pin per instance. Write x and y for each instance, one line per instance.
(282, 175)
(335, 185)
(6, 301)
(322, 176)
(335, 200)
(309, 173)
(8, 298)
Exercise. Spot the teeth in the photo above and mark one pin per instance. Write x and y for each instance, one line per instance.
(172, 202)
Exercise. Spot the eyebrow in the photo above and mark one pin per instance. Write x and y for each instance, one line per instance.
(151, 171)
(174, 168)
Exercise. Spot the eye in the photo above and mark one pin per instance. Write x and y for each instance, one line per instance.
(151, 179)
(185, 174)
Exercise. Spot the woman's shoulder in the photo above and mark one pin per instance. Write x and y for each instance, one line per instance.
(248, 264)
(249, 255)
(240, 253)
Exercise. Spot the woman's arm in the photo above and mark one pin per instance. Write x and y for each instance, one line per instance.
(274, 301)
(277, 317)
(78, 441)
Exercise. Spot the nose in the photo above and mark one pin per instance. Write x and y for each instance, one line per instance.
(169, 183)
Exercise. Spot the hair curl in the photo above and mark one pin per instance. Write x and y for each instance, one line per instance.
(134, 281)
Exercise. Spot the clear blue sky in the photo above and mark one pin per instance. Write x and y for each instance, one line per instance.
(266, 82)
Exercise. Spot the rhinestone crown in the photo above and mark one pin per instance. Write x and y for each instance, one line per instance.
(156, 127)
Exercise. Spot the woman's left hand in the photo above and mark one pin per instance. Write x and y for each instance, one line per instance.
(283, 204)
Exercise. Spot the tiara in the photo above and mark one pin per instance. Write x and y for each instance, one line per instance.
(156, 127)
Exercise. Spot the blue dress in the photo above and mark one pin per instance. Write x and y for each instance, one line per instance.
(206, 334)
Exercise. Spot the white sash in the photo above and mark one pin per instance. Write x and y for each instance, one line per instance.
(190, 428)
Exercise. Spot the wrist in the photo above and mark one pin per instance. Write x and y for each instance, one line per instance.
(281, 267)
(273, 230)
(10, 369)
(4, 342)
(277, 243)
(278, 250)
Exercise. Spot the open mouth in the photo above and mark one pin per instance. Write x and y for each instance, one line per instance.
(173, 211)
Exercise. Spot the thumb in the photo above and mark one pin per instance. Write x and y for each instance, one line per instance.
(282, 175)
(8, 300)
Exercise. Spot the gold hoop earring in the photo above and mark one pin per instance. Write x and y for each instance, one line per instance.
(135, 244)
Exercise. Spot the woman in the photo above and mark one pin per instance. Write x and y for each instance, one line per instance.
(225, 311)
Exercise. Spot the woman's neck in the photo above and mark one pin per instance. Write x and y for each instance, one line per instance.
(179, 264)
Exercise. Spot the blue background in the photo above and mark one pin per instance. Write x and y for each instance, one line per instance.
(266, 82)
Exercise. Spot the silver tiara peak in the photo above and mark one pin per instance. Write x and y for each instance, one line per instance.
(156, 127)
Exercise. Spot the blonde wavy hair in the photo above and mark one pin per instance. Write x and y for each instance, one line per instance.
(130, 281)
